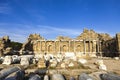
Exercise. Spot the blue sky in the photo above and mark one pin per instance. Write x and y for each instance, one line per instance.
(50, 18)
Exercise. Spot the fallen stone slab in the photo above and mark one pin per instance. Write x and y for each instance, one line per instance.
(96, 75)
(109, 77)
(72, 78)
(35, 77)
(46, 77)
(82, 61)
(19, 75)
(103, 67)
(41, 71)
(57, 77)
(85, 76)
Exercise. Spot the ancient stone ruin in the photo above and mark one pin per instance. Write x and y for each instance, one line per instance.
(5, 46)
(88, 43)
(89, 56)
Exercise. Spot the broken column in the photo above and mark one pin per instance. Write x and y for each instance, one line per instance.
(6, 72)
(18, 75)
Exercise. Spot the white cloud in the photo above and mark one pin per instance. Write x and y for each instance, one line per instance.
(5, 8)
(20, 32)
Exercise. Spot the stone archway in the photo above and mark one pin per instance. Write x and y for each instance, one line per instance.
(78, 48)
(64, 48)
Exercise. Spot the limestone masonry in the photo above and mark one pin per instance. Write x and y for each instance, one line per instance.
(87, 43)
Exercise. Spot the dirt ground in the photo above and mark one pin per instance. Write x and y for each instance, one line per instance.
(112, 65)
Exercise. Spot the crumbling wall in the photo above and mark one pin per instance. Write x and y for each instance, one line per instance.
(109, 48)
(29, 46)
(5, 45)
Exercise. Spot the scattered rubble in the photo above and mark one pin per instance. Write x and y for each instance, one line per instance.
(24, 61)
(64, 54)
(7, 60)
(101, 65)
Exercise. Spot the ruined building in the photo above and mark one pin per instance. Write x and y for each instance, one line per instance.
(87, 43)
(5, 45)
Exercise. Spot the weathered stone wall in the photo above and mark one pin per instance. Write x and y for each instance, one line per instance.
(88, 42)
(109, 48)
(64, 46)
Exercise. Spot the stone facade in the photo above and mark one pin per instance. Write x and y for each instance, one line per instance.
(87, 43)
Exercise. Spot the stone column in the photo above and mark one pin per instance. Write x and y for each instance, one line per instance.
(45, 47)
(100, 50)
(92, 46)
(74, 47)
(69, 46)
(54, 47)
(98, 46)
(89, 47)
(84, 46)
(59, 47)
(40, 47)
(35, 47)
(95, 46)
